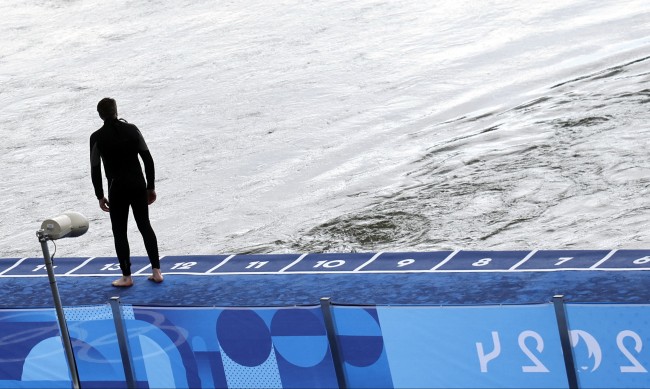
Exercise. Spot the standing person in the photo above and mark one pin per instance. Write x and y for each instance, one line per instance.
(117, 144)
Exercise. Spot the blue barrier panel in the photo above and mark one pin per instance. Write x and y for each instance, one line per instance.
(31, 352)
(236, 348)
(361, 345)
(32, 355)
(611, 344)
(451, 347)
(95, 345)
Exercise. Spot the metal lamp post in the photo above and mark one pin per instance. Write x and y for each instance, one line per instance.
(70, 224)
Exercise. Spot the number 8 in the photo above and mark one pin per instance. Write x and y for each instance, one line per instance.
(482, 262)
(641, 261)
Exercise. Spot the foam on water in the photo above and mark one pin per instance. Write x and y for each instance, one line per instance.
(336, 125)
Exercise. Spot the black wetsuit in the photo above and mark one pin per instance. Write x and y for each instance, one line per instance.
(117, 144)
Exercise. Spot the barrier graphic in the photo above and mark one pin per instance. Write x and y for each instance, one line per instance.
(376, 346)
(453, 347)
(611, 344)
(32, 356)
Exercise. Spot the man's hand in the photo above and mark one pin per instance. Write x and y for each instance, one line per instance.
(151, 196)
(103, 204)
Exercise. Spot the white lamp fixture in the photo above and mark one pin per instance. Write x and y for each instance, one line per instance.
(69, 224)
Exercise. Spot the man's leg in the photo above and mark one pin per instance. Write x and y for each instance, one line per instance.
(141, 216)
(119, 212)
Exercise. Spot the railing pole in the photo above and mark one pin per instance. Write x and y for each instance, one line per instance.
(63, 326)
(325, 304)
(123, 342)
(565, 340)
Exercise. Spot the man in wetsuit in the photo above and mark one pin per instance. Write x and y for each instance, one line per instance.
(118, 144)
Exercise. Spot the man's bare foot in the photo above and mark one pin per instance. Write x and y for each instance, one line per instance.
(156, 276)
(124, 281)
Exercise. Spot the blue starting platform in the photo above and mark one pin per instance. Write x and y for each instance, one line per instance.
(439, 277)
(444, 319)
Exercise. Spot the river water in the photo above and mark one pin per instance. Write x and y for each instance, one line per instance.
(309, 126)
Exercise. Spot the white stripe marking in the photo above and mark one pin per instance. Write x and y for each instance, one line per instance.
(368, 262)
(220, 264)
(292, 263)
(608, 256)
(450, 256)
(80, 266)
(145, 268)
(527, 257)
(14, 265)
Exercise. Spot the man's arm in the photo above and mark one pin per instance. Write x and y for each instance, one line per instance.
(147, 160)
(96, 168)
(149, 169)
(96, 174)
(149, 172)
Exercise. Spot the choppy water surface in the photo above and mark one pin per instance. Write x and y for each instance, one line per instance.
(336, 125)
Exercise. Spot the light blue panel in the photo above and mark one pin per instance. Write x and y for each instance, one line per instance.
(36, 384)
(611, 344)
(198, 322)
(157, 364)
(31, 351)
(302, 351)
(473, 347)
(266, 314)
(31, 315)
(355, 321)
(156, 352)
(46, 362)
(97, 352)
